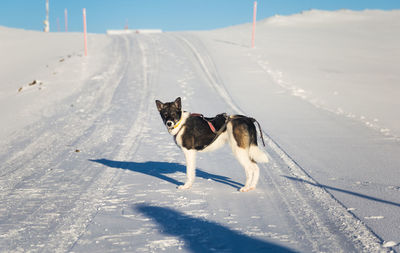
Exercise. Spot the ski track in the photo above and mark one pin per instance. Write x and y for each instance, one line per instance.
(55, 199)
(296, 198)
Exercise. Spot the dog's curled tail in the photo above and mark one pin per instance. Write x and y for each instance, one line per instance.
(257, 155)
(259, 128)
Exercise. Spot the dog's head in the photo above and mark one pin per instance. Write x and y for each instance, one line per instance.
(171, 112)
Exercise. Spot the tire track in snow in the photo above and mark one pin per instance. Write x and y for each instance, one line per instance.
(331, 223)
(210, 71)
(129, 144)
(135, 134)
(43, 223)
(30, 198)
(133, 137)
(20, 165)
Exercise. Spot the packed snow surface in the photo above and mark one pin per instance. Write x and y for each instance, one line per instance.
(87, 165)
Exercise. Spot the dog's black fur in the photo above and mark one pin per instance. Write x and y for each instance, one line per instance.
(198, 134)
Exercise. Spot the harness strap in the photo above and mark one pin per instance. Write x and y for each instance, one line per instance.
(208, 122)
(211, 126)
(228, 118)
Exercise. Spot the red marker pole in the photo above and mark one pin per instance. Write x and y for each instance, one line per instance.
(84, 30)
(66, 19)
(254, 25)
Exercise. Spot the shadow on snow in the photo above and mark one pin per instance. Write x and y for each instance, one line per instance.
(200, 235)
(327, 187)
(162, 169)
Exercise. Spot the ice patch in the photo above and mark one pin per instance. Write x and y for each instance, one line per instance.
(392, 187)
(379, 217)
(165, 243)
(98, 77)
(389, 244)
(140, 195)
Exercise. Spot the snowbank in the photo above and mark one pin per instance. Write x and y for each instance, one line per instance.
(39, 69)
(343, 61)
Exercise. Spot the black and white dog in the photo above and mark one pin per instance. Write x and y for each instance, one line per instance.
(194, 133)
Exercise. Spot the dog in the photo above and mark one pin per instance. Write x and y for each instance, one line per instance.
(195, 133)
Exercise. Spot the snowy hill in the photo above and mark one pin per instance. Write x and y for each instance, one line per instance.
(87, 165)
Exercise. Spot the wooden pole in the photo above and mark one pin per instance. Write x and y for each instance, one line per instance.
(253, 35)
(66, 19)
(84, 30)
(47, 22)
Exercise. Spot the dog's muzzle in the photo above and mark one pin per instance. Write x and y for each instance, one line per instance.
(169, 124)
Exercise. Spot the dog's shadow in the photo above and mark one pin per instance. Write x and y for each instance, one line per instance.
(202, 236)
(161, 170)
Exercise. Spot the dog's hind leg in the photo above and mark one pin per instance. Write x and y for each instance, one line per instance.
(256, 175)
(190, 156)
(252, 174)
(239, 140)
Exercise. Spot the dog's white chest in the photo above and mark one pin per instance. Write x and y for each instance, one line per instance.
(217, 143)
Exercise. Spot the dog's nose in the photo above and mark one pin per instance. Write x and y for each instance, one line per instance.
(169, 123)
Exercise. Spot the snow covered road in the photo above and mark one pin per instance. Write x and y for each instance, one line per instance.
(100, 172)
(87, 165)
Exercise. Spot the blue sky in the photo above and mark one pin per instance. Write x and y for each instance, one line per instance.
(169, 15)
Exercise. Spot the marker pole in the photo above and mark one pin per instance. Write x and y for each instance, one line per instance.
(47, 22)
(254, 25)
(84, 30)
(58, 24)
(66, 19)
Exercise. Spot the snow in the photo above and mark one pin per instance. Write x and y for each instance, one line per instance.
(87, 165)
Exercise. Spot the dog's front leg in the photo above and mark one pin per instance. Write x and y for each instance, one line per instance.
(190, 156)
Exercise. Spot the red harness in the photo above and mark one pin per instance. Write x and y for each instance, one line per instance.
(208, 122)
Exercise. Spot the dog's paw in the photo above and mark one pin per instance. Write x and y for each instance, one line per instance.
(185, 186)
(246, 189)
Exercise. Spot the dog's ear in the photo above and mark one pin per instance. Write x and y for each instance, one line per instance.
(178, 103)
(160, 105)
